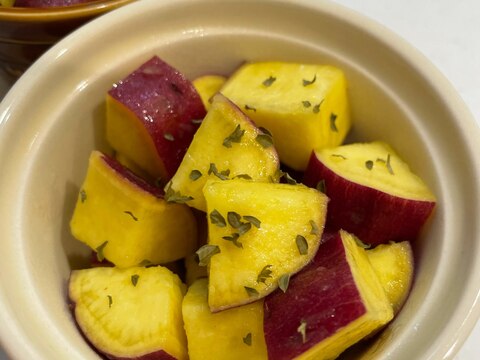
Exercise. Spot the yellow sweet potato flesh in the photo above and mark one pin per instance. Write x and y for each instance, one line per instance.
(207, 86)
(127, 135)
(245, 158)
(284, 211)
(223, 335)
(130, 225)
(376, 165)
(128, 320)
(304, 106)
(394, 265)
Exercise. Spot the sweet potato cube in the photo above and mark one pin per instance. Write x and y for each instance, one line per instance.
(227, 145)
(133, 313)
(263, 232)
(336, 301)
(207, 86)
(151, 117)
(373, 193)
(126, 220)
(304, 106)
(234, 334)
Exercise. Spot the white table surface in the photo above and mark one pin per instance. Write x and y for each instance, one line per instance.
(448, 33)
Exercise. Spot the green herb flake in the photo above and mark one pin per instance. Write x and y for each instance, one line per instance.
(302, 245)
(283, 282)
(243, 176)
(361, 244)
(316, 109)
(302, 329)
(244, 227)
(234, 239)
(265, 140)
(369, 164)
(339, 156)
(234, 219)
(131, 215)
(222, 175)
(389, 165)
(205, 253)
(250, 108)
(110, 301)
(333, 126)
(251, 291)
(265, 273)
(247, 340)
(290, 180)
(146, 263)
(195, 175)
(309, 82)
(217, 219)
(134, 279)
(83, 195)
(252, 220)
(172, 196)
(315, 230)
(306, 103)
(321, 186)
(99, 250)
(264, 130)
(268, 82)
(234, 137)
(168, 136)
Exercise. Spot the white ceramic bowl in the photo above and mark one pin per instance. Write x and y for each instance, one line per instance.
(53, 118)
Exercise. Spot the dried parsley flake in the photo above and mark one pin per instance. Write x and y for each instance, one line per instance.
(217, 219)
(134, 279)
(99, 250)
(234, 137)
(251, 291)
(205, 253)
(283, 282)
(268, 82)
(302, 245)
(131, 214)
(248, 339)
(265, 273)
(265, 140)
(83, 195)
(195, 175)
(302, 329)
(309, 82)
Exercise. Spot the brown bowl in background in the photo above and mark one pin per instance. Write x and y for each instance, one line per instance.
(26, 33)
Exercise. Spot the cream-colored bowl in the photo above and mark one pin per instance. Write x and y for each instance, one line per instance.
(53, 118)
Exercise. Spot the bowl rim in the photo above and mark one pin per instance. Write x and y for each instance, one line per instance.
(23, 14)
(466, 318)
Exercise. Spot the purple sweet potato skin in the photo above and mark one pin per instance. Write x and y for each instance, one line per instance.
(48, 3)
(132, 177)
(324, 295)
(372, 215)
(166, 102)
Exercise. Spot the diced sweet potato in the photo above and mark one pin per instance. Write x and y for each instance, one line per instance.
(152, 116)
(263, 232)
(234, 334)
(133, 313)
(126, 220)
(373, 193)
(333, 303)
(227, 145)
(304, 106)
